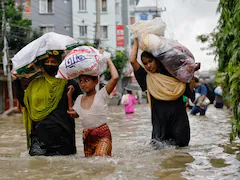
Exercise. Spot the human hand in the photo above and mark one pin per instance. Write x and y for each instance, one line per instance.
(70, 90)
(14, 74)
(72, 113)
(202, 105)
(198, 66)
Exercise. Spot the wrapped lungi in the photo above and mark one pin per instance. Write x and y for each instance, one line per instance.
(97, 141)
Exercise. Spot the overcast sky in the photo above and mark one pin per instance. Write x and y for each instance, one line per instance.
(186, 19)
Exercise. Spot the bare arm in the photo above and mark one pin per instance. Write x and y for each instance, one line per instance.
(69, 95)
(71, 111)
(133, 56)
(114, 77)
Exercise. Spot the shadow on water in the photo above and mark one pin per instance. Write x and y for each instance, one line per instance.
(208, 156)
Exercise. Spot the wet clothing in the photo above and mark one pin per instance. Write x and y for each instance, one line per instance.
(97, 138)
(97, 141)
(96, 115)
(202, 89)
(55, 133)
(129, 108)
(169, 118)
(218, 103)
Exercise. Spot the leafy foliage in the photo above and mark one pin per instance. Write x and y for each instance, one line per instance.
(19, 32)
(226, 42)
(119, 60)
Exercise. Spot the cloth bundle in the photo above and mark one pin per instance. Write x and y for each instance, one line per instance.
(176, 58)
(83, 60)
(28, 61)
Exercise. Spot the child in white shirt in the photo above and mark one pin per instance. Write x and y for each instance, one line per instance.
(91, 108)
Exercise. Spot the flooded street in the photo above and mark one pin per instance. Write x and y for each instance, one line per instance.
(208, 156)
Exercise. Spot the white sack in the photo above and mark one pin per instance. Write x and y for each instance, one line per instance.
(155, 26)
(83, 60)
(48, 41)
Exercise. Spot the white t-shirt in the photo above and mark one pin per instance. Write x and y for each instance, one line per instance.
(96, 115)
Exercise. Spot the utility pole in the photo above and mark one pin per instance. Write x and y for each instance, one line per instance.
(6, 66)
(3, 19)
(97, 30)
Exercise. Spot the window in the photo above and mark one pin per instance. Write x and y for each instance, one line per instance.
(67, 27)
(104, 32)
(46, 29)
(46, 6)
(104, 6)
(82, 31)
(82, 5)
(143, 17)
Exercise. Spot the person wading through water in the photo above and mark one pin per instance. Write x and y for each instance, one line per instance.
(50, 129)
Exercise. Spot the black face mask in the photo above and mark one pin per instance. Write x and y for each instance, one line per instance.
(50, 70)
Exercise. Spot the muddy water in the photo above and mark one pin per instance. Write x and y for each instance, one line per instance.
(208, 156)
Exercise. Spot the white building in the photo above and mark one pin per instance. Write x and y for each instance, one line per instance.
(147, 10)
(84, 21)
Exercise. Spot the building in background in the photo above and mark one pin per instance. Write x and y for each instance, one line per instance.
(84, 22)
(128, 8)
(26, 4)
(52, 16)
(147, 10)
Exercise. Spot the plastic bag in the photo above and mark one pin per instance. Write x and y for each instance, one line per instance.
(198, 100)
(218, 91)
(124, 99)
(38, 47)
(178, 64)
(152, 43)
(83, 60)
(155, 26)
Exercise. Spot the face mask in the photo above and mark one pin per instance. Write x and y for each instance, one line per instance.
(50, 70)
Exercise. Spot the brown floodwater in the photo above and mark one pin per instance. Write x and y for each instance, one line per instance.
(208, 156)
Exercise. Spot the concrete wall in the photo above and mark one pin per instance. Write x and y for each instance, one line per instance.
(61, 18)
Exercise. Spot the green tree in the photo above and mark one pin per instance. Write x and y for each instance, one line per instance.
(19, 32)
(225, 43)
(119, 60)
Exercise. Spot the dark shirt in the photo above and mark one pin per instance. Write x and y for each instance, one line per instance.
(169, 118)
(56, 133)
(202, 89)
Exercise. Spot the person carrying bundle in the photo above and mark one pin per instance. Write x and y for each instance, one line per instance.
(50, 129)
(91, 108)
(169, 117)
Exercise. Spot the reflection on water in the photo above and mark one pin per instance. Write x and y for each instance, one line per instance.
(209, 155)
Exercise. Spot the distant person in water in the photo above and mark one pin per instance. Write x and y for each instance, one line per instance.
(218, 102)
(129, 103)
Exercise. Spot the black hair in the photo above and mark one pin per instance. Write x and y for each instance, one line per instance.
(129, 92)
(196, 79)
(94, 78)
(147, 55)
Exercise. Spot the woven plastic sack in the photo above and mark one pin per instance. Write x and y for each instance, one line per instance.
(83, 60)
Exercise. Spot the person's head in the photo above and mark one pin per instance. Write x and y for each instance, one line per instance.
(88, 83)
(149, 61)
(197, 82)
(129, 92)
(50, 65)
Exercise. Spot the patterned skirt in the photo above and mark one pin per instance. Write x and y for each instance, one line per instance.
(97, 141)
